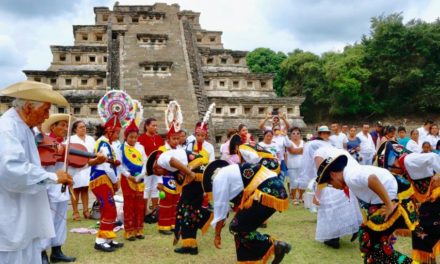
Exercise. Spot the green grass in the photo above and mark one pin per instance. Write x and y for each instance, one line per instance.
(296, 226)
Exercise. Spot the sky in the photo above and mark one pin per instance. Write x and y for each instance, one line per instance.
(29, 27)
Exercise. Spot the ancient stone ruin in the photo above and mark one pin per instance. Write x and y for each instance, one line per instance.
(159, 53)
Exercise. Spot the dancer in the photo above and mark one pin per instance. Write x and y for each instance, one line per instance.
(133, 160)
(377, 192)
(187, 171)
(104, 183)
(257, 193)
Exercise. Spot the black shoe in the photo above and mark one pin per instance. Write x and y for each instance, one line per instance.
(151, 218)
(333, 243)
(140, 236)
(57, 255)
(281, 248)
(165, 232)
(354, 236)
(115, 244)
(132, 238)
(105, 247)
(44, 257)
(187, 250)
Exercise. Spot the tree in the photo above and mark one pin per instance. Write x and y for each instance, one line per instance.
(264, 60)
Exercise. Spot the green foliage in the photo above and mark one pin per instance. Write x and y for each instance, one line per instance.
(263, 60)
(393, 70)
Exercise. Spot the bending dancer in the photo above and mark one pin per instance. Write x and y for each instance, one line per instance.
(377, 192)
(257, 193)
(186, 167)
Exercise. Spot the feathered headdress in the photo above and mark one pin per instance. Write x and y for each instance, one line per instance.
(139, 112)
(173, 118)
(203, 126)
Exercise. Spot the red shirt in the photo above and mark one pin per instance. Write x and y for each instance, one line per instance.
(150, 143)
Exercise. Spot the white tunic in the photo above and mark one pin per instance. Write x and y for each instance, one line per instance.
(82, 176)
(422, 133)
(295, 161)
(367, 145)
(25, 214)
(282, 142)
(226, 185)
(357, 181)
(165, 158)
(432, 140)
(123, 168)
(309, 168)
(422, 165)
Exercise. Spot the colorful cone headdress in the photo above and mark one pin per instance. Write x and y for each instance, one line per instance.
(173, 118)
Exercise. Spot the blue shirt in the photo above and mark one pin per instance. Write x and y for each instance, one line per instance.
(403, 141)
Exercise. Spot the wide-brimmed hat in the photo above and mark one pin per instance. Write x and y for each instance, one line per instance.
(323, 129)
(45, 127)
(34, 91)
(388, 152)
(209, 173)
(330, 164)
(150, 162)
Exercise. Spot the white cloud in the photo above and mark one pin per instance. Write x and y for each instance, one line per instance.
(282, 25)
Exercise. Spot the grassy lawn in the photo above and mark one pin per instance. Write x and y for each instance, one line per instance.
(296, 226)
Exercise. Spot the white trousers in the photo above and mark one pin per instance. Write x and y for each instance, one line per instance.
(367, 158)
(151, 190)
(59, 216)
(29, 255)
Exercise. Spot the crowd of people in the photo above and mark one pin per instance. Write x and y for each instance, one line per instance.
(372, 185)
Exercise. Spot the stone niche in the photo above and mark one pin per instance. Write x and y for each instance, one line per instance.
(90, 35)
(211, 39)
(157, 68)
(155, 41)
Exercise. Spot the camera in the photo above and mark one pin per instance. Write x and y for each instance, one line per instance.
(274, 112)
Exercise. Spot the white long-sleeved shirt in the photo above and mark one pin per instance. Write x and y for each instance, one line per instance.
(422, 165)
(24, 205)
(123, 168)
(367, 144)
(414, 146)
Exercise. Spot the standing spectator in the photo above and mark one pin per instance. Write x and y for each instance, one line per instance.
(426, 147)
(269, 144)
(283, 143)
(424, 130)
(151, 141)
(354, 144)
(402, 139)
(82, 176)
(246, 137)
(298, 181)
(367, 145)
(275, 121)
(413, 144)
(234, 143)
(224, 148)
(338, 139)
(389, 134)
(377, 134)
(433, 136)
(345, 130)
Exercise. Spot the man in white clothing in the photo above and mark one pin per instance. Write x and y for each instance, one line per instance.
(26, 218)
(367, 146)
(424, 130)
(338, 139)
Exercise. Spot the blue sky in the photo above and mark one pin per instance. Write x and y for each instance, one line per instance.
(29, 27)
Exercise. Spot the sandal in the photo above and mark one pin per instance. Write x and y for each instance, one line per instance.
(87, 215)
(76, 216)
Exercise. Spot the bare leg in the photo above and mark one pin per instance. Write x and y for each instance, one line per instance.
(154, 203)
(85, 201)
(301, 192)
(75, 214)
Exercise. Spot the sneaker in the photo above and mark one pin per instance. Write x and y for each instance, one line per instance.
(187, 250)
(104, 247)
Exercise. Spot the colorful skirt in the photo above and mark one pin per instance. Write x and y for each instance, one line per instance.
(252, 246)
(134, 207)
(191, 216)
(102, 188)
(375, 234)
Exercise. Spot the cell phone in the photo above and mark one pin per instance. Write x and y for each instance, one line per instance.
(274, 112)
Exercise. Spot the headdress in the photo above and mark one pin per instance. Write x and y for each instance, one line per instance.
(330, 164)
(131, 128)
(203, 126)
(173, 118)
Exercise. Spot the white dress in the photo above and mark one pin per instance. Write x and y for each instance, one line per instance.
(414, 146)
(82, 176)
(295, 169)
(338, 215)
